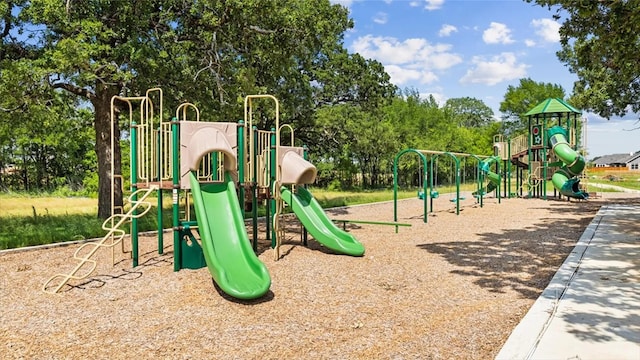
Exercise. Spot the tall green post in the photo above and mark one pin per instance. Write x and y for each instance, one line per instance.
(509, 168)
(240, 161)
(544, 161)
(254, 188)
(498, 161)
(431, 184)
(242, 154)
(159, 179)
(395, 184)
(175, 151)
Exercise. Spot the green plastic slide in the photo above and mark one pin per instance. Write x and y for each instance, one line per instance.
(227, 250)
(315, 220)
(565, 179)
(494, 179)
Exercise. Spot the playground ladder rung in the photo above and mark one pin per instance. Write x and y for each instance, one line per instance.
(113, 230)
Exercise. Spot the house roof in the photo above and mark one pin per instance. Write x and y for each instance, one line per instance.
(633, 157)
(616, 158)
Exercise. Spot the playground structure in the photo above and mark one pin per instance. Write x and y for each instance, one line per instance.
(549, 151)
(216, 166)
(428, 160)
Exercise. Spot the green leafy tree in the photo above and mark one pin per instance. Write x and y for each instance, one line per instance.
(469, 112)
(600, 44)
(209, 52)
(518, 100)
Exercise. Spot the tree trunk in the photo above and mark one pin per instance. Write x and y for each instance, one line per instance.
(374, 174)
(102, 108)
(25, 170)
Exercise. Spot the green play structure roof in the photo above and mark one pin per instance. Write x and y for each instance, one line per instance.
(553, 106)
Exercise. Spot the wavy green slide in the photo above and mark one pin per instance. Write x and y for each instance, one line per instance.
(227, 250)
(494, 179)
(315, 220)
(565, 179)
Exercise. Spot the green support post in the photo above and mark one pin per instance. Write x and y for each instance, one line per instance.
(175, 151)
(498, 190)
(214, 166)
(481, 184)
(254, 191)
(543, 161)
(160, 224)
(431, 184)
(241, 161)
(509, 168)
(159, 179)
(457, 162)
(395, 185)
(241, 172)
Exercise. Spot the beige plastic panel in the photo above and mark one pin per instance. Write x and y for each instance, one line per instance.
(294, 168)
(198, 138)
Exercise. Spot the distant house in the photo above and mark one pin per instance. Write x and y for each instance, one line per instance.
(629, 161)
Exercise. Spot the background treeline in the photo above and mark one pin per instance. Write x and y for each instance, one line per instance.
(352, 147)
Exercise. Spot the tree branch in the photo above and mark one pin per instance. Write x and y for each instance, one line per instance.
(21, 106)
(261, 30)
(85, 93)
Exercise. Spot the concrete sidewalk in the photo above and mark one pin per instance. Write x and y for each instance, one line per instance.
(591, 308)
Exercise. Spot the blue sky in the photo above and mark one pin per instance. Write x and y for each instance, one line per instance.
(474, 48)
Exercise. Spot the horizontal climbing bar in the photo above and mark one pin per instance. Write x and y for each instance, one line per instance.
(391, 223)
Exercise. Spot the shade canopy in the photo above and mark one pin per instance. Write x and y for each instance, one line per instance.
(553, 106)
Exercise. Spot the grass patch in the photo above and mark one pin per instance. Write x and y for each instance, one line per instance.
(629, 184)
(28, 220)
(626, 179)
(31, 205)
(329, 199)
(20, 231)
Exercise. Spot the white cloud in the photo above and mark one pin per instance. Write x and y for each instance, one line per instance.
(389, 50)
(403, 75)
(428, 4)
(497, 33)
(446, 30)
(434, 4)
(547, 29)
(409, 60)
(492, 71)
(380, 18)
(444, 60)
(530, 43)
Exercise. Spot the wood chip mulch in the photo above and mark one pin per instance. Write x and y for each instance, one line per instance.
(452, 288)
